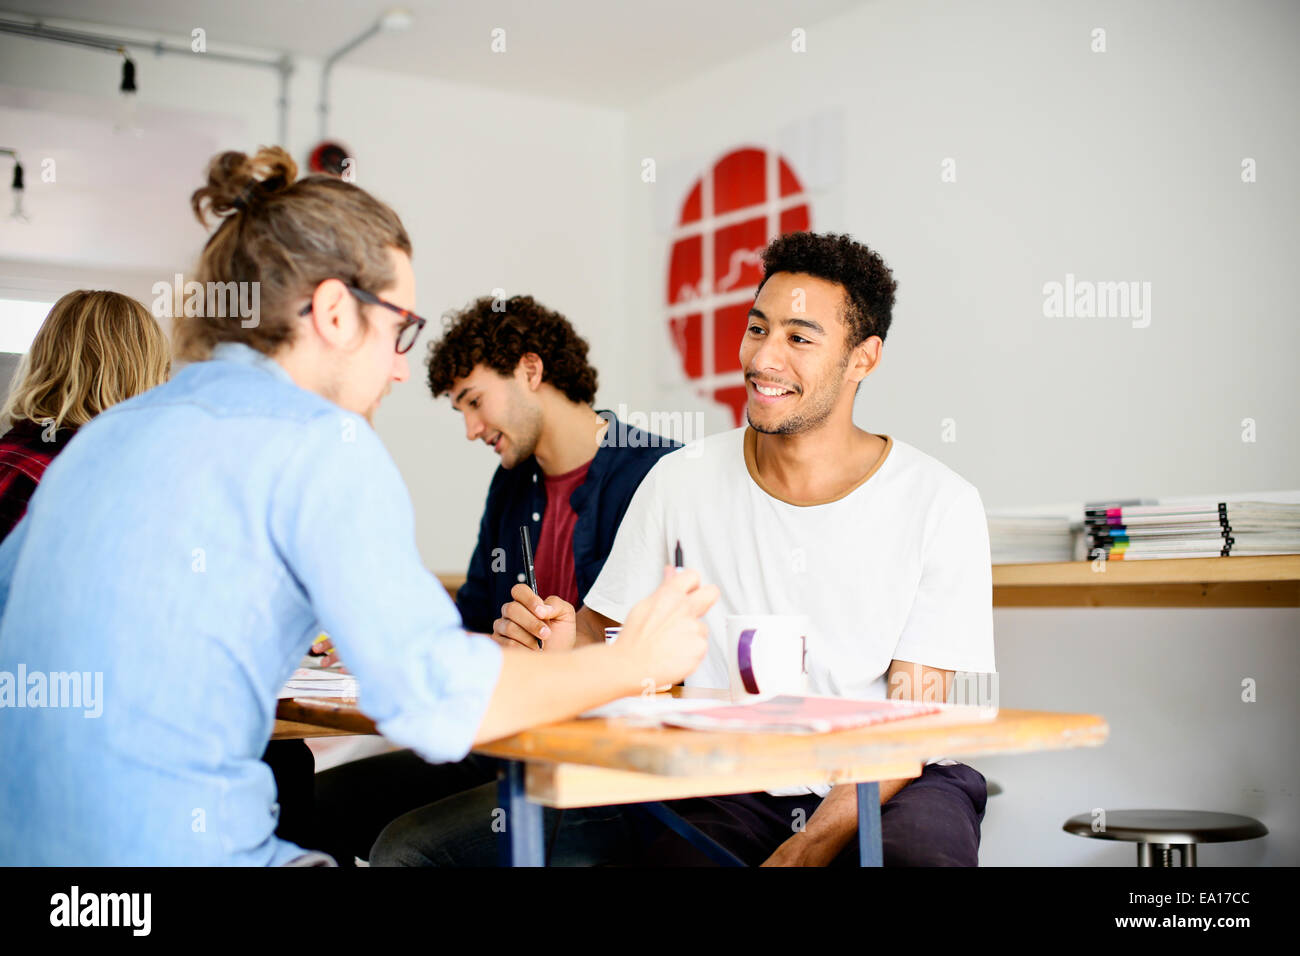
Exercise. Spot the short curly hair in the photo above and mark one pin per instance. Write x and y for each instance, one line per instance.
(481, 335)
(868, 283)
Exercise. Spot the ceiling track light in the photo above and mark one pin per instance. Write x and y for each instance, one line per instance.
(127, 96)
(128, 72)
(17, 212)
(109, 43)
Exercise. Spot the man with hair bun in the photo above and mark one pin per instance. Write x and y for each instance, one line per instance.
(238, 510)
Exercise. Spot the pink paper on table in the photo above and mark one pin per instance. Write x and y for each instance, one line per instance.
(799, 715)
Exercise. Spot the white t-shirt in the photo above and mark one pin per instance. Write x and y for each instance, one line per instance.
(896, 568)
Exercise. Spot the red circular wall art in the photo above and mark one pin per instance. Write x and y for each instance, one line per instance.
(730, 214)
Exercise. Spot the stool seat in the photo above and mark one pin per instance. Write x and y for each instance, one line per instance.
(1159, 834)
(1168, 826)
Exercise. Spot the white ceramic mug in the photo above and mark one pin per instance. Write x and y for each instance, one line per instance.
(767, 654)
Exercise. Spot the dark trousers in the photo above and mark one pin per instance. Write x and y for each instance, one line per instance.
(933, 821)
(355, 801)
(294, 767)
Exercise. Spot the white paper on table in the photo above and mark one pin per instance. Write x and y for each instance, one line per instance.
(651, 707)
(964, 712)
(319, 682)
(312, 662)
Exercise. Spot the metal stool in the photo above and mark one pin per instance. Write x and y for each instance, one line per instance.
(1158, 832)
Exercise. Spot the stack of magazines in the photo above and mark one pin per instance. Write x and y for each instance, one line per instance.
(1030, 539)
(1206, 529)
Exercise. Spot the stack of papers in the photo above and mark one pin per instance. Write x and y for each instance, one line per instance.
(1030, 539)
(320, 682)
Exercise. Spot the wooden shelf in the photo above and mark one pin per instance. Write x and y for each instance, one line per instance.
(1265, 581)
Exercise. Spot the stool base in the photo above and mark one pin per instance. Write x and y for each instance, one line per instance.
(1161, 854)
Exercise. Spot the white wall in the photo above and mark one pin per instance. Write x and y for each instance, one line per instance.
(1169, 683)
(517, 192)
(1123, 165)
(497, 191)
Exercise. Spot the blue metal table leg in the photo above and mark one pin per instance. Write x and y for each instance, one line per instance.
(714, 851)
(870, 852)
(522, 842)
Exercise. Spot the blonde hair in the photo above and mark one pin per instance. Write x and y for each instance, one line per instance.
(284, 236)
(93, 350)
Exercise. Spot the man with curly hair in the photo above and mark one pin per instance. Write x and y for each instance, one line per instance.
(882, 547)
(518, 373)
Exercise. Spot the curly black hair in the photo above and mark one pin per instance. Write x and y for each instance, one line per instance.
(868, 283)
(478, 335)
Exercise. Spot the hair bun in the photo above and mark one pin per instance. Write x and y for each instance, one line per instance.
(236, 181)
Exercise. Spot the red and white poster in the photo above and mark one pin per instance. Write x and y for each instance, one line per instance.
(717, 229)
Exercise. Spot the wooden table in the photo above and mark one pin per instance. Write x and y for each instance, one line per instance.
(582, 763)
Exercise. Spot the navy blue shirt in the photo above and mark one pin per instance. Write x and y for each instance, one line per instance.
(517, 496)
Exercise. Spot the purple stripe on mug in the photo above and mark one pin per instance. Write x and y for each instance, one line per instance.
(745, 661)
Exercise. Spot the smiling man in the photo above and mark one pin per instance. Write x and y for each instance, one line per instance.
(801, 511)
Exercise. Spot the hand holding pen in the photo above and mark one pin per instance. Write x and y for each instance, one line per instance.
(531, 622)
(526, 545)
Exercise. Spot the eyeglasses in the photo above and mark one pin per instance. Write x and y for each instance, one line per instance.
(407, 332)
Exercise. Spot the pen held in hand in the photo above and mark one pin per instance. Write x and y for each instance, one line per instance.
(526, 543)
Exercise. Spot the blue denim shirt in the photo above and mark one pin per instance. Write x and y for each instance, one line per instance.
(187, 545)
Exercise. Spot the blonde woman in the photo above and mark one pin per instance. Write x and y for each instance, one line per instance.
(93, 350)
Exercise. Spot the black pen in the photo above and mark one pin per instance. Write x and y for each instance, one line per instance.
(527, 543)
(677, 555)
